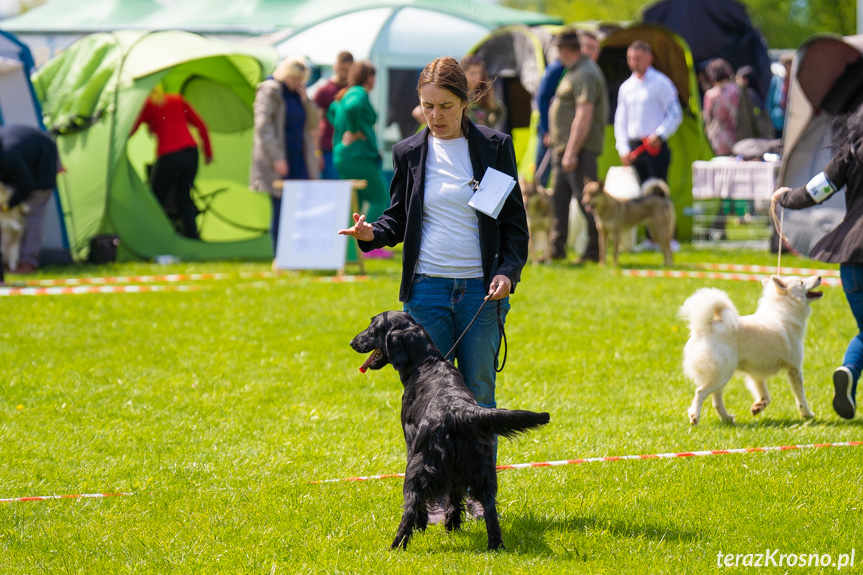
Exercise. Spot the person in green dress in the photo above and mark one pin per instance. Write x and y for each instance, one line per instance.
(355, 145)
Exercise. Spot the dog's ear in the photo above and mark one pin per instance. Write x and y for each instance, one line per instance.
(781, 286)
(396, 348)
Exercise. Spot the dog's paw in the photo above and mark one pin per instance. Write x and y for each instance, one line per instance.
(727, 418)
(693, 415)
(758, 407)
(806, 413)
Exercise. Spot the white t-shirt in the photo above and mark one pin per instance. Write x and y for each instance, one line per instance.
(450, 233)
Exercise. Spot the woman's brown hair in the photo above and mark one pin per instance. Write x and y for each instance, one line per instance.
(358, 75)
(718, 70)
(448, 74)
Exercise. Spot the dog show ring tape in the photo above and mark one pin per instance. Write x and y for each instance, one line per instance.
(681, 454)
(166, 278)
(767, 270)
(825, 281)
(79, 290)
(49, 497)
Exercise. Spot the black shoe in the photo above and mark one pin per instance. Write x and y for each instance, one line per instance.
(842, 402)
(587, 260)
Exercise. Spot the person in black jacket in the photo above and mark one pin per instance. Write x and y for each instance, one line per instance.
(842, 245)
(29, 163)
(454, 257)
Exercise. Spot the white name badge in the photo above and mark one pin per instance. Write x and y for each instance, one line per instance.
(491, 193)
(820, 188)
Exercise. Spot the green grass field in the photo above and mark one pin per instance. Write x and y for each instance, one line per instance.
(218, 408)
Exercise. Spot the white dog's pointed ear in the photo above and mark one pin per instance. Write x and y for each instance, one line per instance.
(780, 284)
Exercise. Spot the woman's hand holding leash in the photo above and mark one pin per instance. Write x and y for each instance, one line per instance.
(778, 194)
(500, 288)
(360, 230)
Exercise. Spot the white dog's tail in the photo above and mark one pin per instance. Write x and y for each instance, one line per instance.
(708, 307)
(655, 187)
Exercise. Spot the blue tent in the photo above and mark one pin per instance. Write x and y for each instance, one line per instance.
(19, 105)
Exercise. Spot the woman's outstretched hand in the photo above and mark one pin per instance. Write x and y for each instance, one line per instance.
(360, 230)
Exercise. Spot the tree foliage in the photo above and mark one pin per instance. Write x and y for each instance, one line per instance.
(784, 23)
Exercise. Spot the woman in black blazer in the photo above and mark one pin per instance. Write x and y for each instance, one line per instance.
(454, 257)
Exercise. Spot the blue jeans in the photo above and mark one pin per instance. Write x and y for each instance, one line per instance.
(444, 307)
(852, 284)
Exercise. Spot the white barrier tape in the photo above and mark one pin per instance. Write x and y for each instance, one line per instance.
(767, 270)
(80, 290)
(827, 281)
(630, 457)
(49, 497)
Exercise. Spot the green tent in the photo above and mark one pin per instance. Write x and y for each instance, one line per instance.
(92, 94)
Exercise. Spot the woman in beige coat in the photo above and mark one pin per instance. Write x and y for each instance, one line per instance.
(285, 128)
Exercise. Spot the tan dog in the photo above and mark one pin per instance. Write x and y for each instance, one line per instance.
(11, 229)
(758, 345)
(613, 216)
(537, 204)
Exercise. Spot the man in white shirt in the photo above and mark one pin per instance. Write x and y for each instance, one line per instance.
(648, 113)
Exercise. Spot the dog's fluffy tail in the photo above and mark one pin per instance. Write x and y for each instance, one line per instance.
(508, 422)
(655, 187)
(707, 309)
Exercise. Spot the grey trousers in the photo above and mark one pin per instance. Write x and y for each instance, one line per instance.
(34, 222)
(566, 186)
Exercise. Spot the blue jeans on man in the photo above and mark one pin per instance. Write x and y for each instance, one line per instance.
(444, 307)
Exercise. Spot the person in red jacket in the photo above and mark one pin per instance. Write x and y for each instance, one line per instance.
(168, 117)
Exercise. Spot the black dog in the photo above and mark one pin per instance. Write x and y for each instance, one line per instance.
(450, 439)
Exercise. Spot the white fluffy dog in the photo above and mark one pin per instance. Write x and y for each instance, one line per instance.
(759, 345)
(11, 229)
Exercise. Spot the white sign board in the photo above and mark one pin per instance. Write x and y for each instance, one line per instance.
(313, 211)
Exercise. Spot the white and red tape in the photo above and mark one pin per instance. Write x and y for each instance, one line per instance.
(630, 457)
(89, 289)
(49, 497)
(751, 277)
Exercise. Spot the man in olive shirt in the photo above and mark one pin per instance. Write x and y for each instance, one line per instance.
(577, 121)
